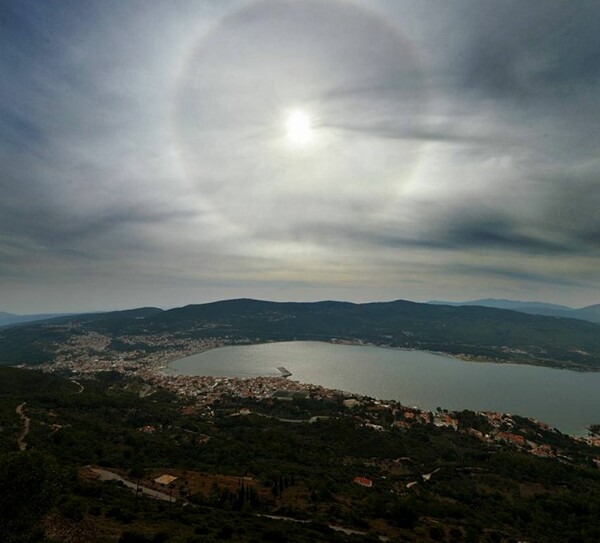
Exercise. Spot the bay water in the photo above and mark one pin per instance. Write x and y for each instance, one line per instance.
(567, 400)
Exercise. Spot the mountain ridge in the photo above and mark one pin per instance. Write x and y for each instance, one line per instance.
(471, 332)
(589, 313)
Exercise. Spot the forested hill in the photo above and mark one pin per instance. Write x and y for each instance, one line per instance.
(476, 332)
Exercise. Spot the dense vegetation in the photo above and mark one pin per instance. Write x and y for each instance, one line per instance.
(232, 469)
(476, 332)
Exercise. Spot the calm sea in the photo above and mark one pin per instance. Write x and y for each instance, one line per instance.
(568, 400)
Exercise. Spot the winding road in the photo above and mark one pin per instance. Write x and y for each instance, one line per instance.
(26, 424)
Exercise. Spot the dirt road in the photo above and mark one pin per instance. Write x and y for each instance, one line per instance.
(106, 475)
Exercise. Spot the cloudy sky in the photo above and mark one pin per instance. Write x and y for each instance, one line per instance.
(165, 153)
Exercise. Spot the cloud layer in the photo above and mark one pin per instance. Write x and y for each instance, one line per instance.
(145, 160)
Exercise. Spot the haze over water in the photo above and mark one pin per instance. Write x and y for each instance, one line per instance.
(565, 399)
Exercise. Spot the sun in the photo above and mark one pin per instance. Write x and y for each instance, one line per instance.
(299, 129)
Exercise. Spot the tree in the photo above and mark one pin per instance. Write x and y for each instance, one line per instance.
(30, 483)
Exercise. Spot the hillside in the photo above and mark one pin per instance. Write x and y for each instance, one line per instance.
(473, 332)
(240, 466)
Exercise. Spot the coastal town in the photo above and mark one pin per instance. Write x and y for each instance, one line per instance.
(146, 358)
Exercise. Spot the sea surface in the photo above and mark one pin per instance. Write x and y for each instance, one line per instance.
(567, 400)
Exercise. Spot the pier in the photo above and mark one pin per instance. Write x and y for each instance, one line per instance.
(284, 372)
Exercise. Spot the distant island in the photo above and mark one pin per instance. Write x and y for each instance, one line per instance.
(9, 319)
(589, 313)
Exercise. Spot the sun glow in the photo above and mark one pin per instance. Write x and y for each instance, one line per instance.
(299, 128)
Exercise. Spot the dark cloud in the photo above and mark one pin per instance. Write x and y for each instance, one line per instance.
(528, 51)
(493, 231)
(572, 209)
(459, 233)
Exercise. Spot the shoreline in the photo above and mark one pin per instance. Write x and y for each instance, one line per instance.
(155, 367)
(576, 431)
(359, 343)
